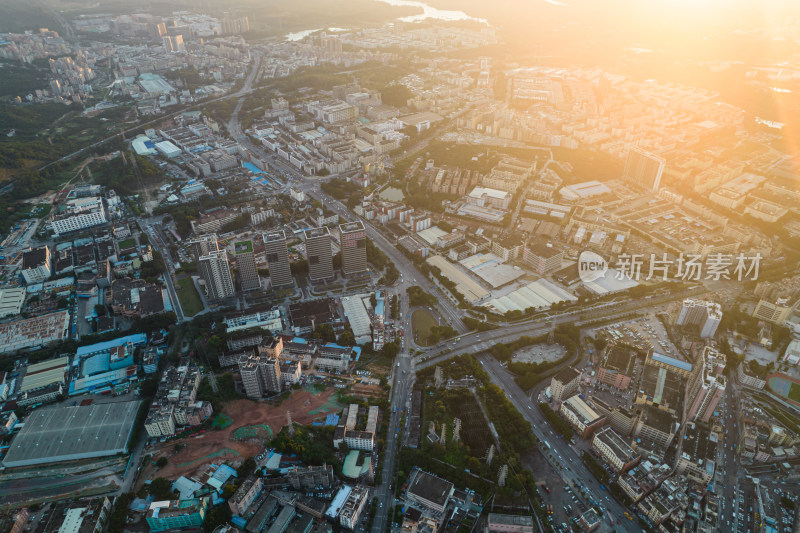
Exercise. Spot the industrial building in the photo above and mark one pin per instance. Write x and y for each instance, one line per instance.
(614, 450)
(581, 416)
(43, 374)
(616, 366)
(36, 265)
(542, 257)
(34, 332)
(357, 316)
(176, 514)
(11, 300)
(68, 433)
(77, 215)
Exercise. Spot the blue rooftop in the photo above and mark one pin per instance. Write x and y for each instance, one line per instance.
(137, 339)
(252, 168)
(671, 361)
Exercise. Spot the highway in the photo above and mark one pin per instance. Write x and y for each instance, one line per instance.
(475, 342)
(576, 471)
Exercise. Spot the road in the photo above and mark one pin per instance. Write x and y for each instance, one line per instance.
(409, 274)
(159, 246)
(161, 118)
(474, 342)
(402, 385)
(576, 471)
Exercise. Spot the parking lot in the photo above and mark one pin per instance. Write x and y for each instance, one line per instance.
(644, 333)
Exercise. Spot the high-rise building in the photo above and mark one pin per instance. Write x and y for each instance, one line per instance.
(705, 315)
(354, 247)
(280, 273)
(246, 262)
(235, 25)
(319, 253)
(706, 385)
(204, 245)
(643, 169)
(261, 375)
(173, 43)
(217, 275)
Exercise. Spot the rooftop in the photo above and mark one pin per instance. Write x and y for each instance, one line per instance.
(431, 488)
(243, 247)
(34, 257)
(351, 227)
(581, 409)
(566, 375)
(65, 433)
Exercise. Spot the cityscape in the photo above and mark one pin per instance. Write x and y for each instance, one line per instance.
(392, 266)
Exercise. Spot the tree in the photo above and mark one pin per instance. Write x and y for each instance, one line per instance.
(325, 333)
(347, 338)
(162, 462)
(247, 467)
(161, 489)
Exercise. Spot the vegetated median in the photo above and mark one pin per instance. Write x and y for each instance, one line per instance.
(559, 424)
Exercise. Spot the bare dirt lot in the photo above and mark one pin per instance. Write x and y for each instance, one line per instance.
(222, 445)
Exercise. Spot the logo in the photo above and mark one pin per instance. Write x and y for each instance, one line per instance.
(591, 266)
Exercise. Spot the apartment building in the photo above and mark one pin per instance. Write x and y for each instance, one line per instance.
(216, 273)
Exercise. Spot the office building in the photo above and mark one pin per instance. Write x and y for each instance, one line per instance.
(705, 315)
(564, 384)
(354, 247)
(280, 273)
(428, 493)
(36, 265)
(706, 387)
(246, 263)
(215, 271)
(320, 254)
(643, 169)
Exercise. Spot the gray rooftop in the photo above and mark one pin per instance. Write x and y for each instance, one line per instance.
(73, 432)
